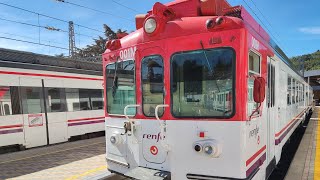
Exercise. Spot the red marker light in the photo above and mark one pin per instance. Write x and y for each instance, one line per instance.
(201, 134)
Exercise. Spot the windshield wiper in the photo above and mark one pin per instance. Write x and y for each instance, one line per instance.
(205, 55)
(210, 68)
(115, 80)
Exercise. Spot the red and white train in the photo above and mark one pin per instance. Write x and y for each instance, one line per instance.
(199, 91)
(46, 100)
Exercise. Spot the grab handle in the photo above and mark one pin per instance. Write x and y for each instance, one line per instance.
(163, 128)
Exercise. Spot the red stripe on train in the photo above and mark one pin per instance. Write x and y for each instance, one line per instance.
(283, 129)
(11, 126)
(50, 75)
(85, 119)
(255, 155)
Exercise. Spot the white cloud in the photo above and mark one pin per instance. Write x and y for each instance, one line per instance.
(310, 30)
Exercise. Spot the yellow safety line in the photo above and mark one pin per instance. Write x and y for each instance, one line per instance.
(50, 153)
(87, 173)
(317, 159)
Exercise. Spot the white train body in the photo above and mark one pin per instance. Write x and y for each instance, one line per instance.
(40, 101)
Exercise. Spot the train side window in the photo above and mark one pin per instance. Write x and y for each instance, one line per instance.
(289, 91)
(5, 100)
(73, 100)
(84, 99)
(32, 100)
(152, 84)
(254, 70)
(56, 100)
(15, 100)
(293, 94)
(96, 98)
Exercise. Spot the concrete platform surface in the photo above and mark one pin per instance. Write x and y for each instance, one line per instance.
(305, 166)
(83, 159)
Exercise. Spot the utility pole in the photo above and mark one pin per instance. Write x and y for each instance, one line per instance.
(72, 44)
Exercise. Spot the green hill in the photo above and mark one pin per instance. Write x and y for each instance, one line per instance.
(311, 61)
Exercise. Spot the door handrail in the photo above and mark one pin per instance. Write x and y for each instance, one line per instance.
(163, 127)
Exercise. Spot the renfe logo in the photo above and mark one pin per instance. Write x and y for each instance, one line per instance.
(154, 150)
(128, 53)
(153, 136)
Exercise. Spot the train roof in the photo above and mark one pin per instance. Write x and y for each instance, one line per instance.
(27, 60)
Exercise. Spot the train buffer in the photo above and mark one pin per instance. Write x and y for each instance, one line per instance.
(306, 162)
(84, 159)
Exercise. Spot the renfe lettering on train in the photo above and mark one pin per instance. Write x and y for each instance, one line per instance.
(128, 53)
(153, 136)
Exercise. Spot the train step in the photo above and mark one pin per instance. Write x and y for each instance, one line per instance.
(146, 174)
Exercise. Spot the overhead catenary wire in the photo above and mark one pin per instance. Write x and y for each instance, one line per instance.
(92, 9)
(44, 27)
(47, 16)
(35, 43)
(275, 39)
(264, 17)
(125, 6)
(28, 37)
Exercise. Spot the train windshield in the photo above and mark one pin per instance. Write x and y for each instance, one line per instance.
(120, 86)
(203, 83)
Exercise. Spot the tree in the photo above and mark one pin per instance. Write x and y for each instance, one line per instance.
(96, 49)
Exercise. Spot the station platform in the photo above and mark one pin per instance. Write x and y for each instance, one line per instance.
(84, 159)
(306, 162)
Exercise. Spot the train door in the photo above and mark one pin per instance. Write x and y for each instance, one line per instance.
(271, 113)
(153, 93)
(55, 103)
(34, 118)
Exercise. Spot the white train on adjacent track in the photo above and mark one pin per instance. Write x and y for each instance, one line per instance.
(46, 100)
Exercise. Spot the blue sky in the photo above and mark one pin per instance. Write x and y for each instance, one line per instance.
(295, 24)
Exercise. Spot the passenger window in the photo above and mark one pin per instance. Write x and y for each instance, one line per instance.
(84, 99)
(96, 98)
(152, 84)
(32, 100)
(293, 95)
(6, 109)
(56, 100)
(289, 91)
(254, 70)
(15, 100)
(73, 101)
(5, 99)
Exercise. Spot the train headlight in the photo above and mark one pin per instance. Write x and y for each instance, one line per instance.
(209, 150)
(150, 25)
(115, 139)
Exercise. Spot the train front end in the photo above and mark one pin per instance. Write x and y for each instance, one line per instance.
(175, 93)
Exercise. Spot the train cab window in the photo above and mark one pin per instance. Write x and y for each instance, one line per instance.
(254, 70)
(202, 83)
(152, 84)
(254, 63)
(120, 87)
(56, 100)
(32, 100)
